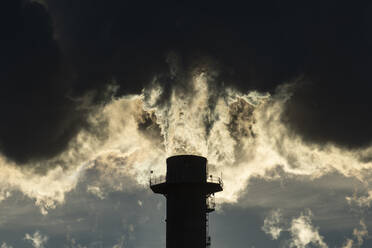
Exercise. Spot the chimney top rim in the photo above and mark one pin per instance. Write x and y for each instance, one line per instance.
(187, 156)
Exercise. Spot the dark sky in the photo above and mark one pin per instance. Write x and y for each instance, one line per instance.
(64, 64)
(55, 53)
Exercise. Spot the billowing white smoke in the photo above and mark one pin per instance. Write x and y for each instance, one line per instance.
(241, 134)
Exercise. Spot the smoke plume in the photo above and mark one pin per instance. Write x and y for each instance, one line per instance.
(115, 88)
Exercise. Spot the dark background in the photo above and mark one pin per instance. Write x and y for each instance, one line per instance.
(55, 53)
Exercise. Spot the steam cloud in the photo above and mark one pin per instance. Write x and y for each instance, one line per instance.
(53, 63)
(115, 88)
(242, 135)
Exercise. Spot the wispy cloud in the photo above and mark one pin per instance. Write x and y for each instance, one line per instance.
(5, 245)
(359, 235)
(304, 233)
(38, 240)
(272, 224)
(300, 228)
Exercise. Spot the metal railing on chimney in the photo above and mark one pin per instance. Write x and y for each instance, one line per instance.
(212, 179)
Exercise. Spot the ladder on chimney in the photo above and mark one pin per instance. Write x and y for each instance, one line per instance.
(208, 241)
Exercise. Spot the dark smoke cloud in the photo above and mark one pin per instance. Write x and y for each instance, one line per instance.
(258, 45)
(334, 103)
(71, 47)
(37, 120)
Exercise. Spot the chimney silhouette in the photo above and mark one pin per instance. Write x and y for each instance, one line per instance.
(190, 198)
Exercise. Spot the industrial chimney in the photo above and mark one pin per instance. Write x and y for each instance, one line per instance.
(190, 197)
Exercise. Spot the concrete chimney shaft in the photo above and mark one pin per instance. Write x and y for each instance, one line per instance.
(187, 189)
